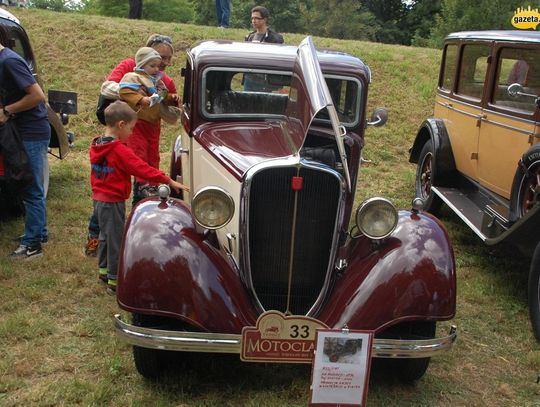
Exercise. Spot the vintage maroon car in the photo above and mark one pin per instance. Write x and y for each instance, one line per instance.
(270, 146)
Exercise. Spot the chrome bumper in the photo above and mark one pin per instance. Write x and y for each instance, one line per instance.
(231, 343)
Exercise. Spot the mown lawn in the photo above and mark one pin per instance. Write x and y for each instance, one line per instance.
(57, 345)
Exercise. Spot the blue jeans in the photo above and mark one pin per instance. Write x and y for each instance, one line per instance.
(223, 12)
(35, 226)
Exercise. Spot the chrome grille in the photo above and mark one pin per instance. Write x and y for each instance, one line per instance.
(271, 208)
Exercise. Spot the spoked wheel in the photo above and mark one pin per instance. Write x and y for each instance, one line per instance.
(530, 190)
(534, 293)
(526, 184)
(426, 173)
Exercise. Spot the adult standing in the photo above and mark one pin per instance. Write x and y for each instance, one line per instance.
(223, 13)
(139, 138)
(135, 9)
(23, 102)
(259, 22)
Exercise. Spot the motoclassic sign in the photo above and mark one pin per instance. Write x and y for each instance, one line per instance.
(525, 19)
(280, 338)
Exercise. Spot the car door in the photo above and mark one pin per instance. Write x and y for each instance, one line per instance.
(508, 123)
(464, 107)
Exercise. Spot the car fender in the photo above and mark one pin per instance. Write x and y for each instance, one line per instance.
(435, 130)
(167, 268)
(409, 276)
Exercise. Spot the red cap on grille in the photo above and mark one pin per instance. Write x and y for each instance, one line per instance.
(297, 183)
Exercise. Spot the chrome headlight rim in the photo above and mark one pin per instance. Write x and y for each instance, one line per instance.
(369, 205)
(227, 199)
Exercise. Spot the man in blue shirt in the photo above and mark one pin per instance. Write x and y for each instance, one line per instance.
(23, 101)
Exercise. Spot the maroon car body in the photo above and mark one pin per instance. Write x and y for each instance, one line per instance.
(279, 170)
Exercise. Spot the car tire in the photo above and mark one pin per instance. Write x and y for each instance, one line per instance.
(150, 363)
(534, 293)
(526, 184)
(411, 370)
(426, 173)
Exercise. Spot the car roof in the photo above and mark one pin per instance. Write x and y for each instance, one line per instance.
(496, 35)
(8, 16)
(270, 56)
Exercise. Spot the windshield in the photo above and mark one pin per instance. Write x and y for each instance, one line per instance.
(246, 93)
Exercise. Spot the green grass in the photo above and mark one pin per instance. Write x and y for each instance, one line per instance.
(57, 345)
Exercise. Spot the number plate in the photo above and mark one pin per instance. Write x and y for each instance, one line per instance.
(280, 338)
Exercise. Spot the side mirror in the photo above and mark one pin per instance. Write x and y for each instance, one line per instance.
(379, 117)
(515, 90)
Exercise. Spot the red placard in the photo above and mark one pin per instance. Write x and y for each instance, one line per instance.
(280, 338)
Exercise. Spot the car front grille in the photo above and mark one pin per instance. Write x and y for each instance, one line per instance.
(272, 229)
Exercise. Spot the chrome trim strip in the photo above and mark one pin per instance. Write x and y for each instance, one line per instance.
(459, 213)
(476, 116)
(231, 343)
(484, 110)
(292, 161)
(506, 126)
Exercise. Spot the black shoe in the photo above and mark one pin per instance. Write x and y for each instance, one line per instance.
(26, 252)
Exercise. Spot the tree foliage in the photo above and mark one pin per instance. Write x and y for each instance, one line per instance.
(464, 15)
(416, 22)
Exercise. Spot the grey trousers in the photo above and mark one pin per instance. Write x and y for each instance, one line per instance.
(111, 218)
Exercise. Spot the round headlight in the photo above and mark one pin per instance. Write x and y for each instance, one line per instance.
(376, 218)
(212, 207)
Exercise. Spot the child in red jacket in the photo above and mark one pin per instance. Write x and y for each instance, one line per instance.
(113, 164)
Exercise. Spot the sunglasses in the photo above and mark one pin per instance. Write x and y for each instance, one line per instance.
(161, 39)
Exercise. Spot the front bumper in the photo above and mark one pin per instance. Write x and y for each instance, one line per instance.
(231, 343)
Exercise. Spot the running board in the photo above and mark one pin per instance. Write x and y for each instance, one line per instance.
(464, 207)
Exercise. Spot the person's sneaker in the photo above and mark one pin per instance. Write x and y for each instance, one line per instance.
(26, 252)
(44, 240)
(111, 286)
(102, 275)
(91, 247)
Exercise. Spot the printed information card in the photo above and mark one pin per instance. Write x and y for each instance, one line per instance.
(341, 368)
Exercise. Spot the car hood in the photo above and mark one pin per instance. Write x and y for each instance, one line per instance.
(240, 145)
(309, 94)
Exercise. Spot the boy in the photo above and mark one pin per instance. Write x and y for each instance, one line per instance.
(112, 165)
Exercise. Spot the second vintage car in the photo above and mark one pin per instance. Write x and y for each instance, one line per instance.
(259, 253)
(60, 105)
(480, 152)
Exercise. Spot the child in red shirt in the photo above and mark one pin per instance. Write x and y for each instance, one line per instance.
(113, 164)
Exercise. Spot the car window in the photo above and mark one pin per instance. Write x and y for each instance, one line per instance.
(449, 67)
(517, 66)
(231, 92)
(473, 68)
(20, 46)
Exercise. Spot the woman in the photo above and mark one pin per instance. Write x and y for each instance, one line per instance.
(144, 140)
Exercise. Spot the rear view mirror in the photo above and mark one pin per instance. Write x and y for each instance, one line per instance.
(379, 117)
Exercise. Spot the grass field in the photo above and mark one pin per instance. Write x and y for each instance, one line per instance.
(57, 345)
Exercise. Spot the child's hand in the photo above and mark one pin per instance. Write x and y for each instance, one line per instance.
(174, 99)
(177, 186)
(144, 102)
(160, 85)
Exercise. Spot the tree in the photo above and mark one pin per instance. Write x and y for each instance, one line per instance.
(326, 18)
(460, 15)
(56, 5)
